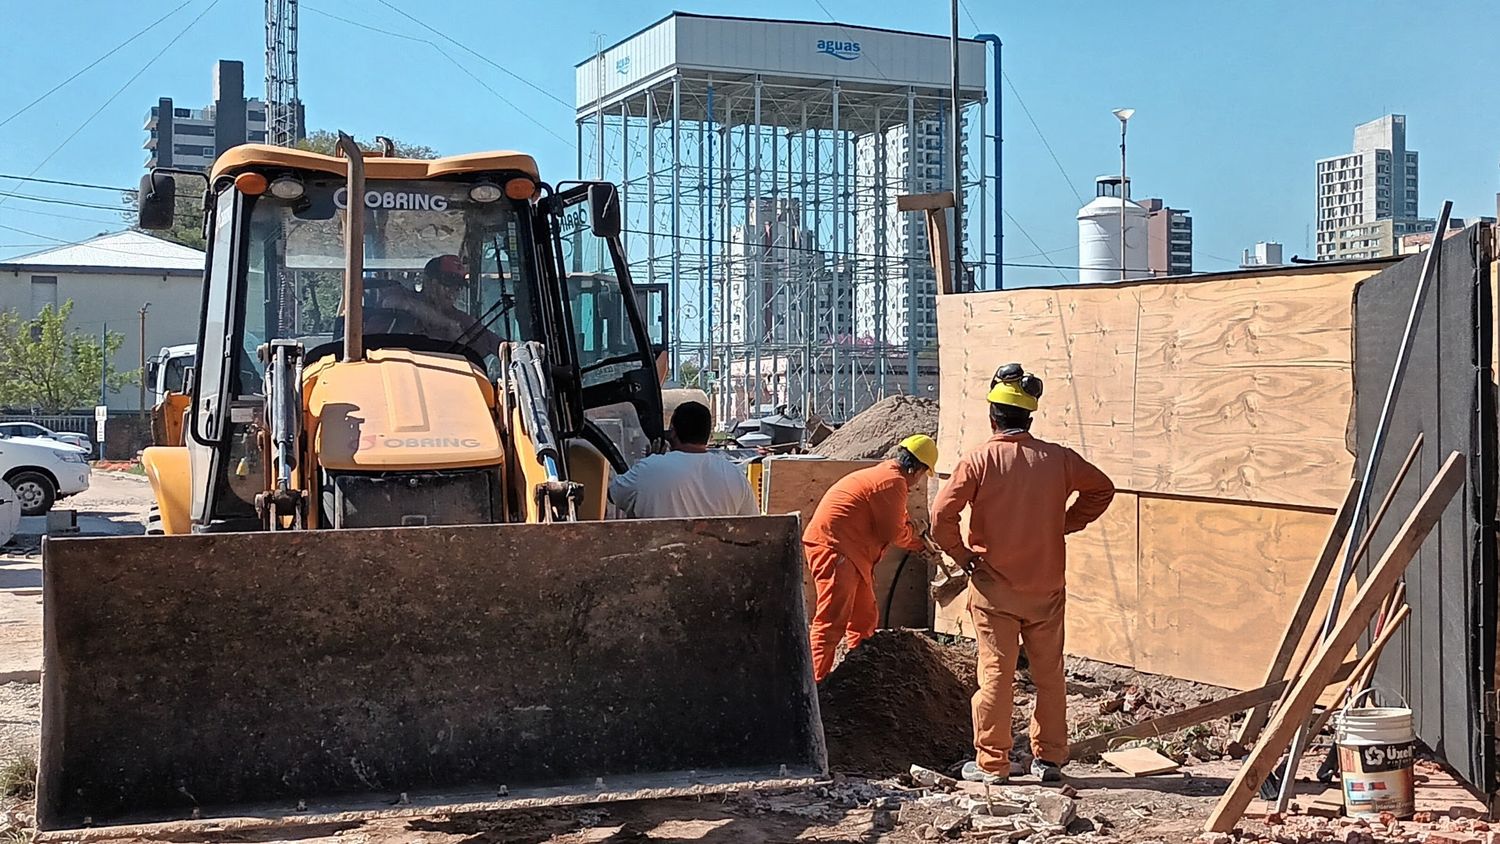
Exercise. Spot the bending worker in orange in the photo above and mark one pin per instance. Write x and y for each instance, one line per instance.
(1017, 489)
(858, 517)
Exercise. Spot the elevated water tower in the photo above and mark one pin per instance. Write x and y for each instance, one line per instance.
(1099, 230)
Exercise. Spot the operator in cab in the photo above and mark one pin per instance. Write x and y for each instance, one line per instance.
(688, 482)
(435, 309)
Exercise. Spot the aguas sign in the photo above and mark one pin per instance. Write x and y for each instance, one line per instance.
(846, 50)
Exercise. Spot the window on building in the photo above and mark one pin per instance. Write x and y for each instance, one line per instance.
(43, 293)
(255, 115)
(193, 129)
(182, 112)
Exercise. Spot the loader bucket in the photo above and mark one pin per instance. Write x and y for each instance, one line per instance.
(286, 677)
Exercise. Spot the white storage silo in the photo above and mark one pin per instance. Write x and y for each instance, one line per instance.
(1099, 234)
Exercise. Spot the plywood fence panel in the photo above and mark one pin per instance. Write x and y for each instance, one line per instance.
(1102, 619)
(1081, 343)
(1236, 387)
(1101, 589)
(1244, 388)
(1217, 584)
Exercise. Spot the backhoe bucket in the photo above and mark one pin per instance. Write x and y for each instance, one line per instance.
(294, 676)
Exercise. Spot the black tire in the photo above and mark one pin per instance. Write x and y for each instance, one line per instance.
(36, 492)
(153, 522)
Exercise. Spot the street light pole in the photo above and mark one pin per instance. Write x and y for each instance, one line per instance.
(958, 171)
(1124, 114)
(142, 372)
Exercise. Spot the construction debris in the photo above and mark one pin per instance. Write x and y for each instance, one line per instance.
(874, 433)
(1000, 812)
(1140, 762)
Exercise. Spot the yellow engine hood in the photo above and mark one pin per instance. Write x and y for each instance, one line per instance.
(401, 410)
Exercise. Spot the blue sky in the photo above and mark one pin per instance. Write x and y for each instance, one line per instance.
(1235, 100)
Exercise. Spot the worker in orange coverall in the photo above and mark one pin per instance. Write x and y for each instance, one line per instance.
(859, 516)
(1017, 489)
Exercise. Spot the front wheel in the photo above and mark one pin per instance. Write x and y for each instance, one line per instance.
(35, 491)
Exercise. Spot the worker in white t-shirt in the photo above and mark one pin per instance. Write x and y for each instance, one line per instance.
(687, 482)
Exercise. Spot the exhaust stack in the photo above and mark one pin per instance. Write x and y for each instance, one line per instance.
(354, 251)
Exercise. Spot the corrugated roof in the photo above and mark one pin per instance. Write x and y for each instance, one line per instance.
(121, 250)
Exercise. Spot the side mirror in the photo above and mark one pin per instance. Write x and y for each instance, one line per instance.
(604, 210)
(151, 369)
(157, 201)
(189, 375)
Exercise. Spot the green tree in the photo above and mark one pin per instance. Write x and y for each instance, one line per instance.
(46, 366)
(690, 374)
(326, 142)
(187, 223)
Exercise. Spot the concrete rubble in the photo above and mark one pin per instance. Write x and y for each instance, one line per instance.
(994, 812)
(1304, 829)
(937, 807)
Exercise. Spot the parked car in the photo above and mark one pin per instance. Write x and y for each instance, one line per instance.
(32, 429)
(42, 471)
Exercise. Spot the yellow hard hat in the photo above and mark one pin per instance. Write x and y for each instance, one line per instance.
(923, 448)
(1010, 393)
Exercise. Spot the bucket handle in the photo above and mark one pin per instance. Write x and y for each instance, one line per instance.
(1354, 699)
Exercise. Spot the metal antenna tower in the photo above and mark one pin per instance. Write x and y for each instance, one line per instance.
(283, 106)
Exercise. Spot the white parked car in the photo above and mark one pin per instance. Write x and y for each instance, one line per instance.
(42, 471)
(32, 429)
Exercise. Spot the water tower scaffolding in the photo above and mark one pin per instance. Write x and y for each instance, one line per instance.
(760, 162)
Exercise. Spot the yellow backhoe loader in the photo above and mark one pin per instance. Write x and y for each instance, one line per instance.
(386, 583)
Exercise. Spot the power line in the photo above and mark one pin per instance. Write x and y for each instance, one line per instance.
(478, 55)
(37, 213)
(1037, 246)
(90, 66)
(65, 183)
(455, 62)
(118, 92)
(839, 253)
(362, 25)
(1040, 134)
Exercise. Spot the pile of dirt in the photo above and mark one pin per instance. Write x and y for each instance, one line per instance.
(875, 433)
(899, 698)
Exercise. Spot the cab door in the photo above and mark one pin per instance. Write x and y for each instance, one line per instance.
(615, 346)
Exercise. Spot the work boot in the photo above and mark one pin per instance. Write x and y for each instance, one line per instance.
(1046, 771)
(973, 773)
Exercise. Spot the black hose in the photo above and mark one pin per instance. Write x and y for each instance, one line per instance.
(890, 595)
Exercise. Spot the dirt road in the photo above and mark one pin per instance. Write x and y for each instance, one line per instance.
(114, 505)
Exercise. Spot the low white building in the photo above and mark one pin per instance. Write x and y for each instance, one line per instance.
(109, 279)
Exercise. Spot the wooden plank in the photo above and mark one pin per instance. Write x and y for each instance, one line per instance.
(1215, 580)
(1317, 581)
(1244, 389)
(1164, 724)
(924, 201)
(1382, 579)
(1361, 671)
(1140, 762)
(1329, 804)
(1310, 641)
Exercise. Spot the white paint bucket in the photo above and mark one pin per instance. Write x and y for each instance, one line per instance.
(1376, 748)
